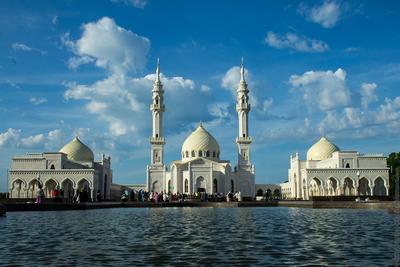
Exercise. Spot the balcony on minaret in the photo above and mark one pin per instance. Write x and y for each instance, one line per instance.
(244, 140)
(157, 140)
(242, 106)
(157, 106)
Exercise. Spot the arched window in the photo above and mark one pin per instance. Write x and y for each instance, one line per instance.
(232, 186)
(193, 154)
(215, 186)
(186, 186)
(218, 155)
(207, 153)
(348, 165)
(52, 167)
(156, 100)
(187, 154)
(200, 153)
(213, 154)
(156, 135)
(244, 135)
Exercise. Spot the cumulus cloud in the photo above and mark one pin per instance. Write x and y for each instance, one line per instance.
(10, 136)
(37, 101)
(295, 42)
(33, 140)
(368, 94)
(323, 89)
(13, 138)
(108, 45)
(327, 14)
(219, 110)
(134, 3)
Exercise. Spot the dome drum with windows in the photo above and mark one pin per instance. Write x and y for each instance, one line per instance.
(200, 143)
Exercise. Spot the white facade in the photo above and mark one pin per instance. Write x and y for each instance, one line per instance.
(71, 169)
(327, 171)
(201, 168)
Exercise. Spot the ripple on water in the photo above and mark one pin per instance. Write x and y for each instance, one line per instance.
(198, 237)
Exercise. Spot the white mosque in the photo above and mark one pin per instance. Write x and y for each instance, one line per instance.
(328, 171)
(201, 169)
(73, 168)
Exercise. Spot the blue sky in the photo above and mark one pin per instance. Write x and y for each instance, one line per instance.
(86, 67)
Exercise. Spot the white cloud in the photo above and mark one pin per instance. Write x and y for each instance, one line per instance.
(33, 140)
(22, 47)
(134, 3)
(37, 101)
(267, 104)
(9, 137)
(205, 88)
(75, 62)
(219, 110)
(54, 20)
(110, 46)
(368, 94)
(352, 49)
(323, 89)
(26, 48)
(327, 14)
(295, 42)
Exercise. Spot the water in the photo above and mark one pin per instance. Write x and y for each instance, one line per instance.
(198, 237)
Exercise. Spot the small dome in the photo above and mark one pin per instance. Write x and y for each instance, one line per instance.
(78, 151)
(200, 143)
(321, 150)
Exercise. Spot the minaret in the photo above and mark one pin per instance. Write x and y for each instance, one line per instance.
(243, 108)
(157, 108)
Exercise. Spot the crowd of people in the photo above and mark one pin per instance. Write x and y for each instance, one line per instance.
(143, 196)
(57, 195)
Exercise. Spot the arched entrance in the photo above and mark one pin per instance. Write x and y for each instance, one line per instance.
(379, 187)
(169, 187)
(215, 186)
(68, 188)
(277, 193)
(363, 187)
(33, 188)
(332, 185)
(84, 190)
(316, 187)
(155, 187)
(49, 186)
(200, 184)
(348, 187)
(17, 189)
(260, 192)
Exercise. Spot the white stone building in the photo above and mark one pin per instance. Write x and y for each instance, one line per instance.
(72, 168)
(327, 171)
(200, 168)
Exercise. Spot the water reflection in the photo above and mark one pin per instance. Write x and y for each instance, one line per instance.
(198, 236)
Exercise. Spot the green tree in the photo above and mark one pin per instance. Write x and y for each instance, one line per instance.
(393, 162)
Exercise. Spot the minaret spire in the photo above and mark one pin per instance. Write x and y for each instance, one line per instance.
(158, 71)
(242, 71)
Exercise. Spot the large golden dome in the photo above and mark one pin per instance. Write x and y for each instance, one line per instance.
(78, 151)
(200, 143)
(321, 150)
